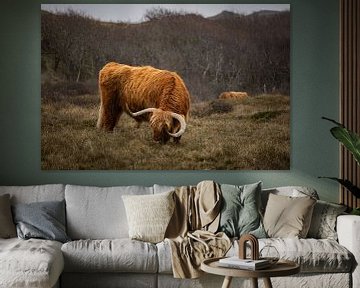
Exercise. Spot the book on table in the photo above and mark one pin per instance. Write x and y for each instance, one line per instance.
(249, 264)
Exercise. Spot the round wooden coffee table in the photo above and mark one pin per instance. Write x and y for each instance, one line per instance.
(281, 268)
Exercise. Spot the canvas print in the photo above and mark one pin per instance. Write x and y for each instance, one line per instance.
(165, 86)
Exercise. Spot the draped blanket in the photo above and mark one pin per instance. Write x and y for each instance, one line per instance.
(191, 231)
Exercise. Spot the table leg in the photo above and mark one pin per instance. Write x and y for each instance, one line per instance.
(254, 282)
(267, 283)
(227, 282)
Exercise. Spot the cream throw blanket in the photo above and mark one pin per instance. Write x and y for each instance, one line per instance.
(191, 231)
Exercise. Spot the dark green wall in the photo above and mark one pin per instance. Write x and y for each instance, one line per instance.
(314, 93)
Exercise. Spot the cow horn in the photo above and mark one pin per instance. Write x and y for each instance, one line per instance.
(181, 119)
(177, 116)
(138, 113)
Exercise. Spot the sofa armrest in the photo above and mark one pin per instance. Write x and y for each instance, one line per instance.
(348, 230)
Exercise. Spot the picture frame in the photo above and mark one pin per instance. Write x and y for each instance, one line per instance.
(233, 60)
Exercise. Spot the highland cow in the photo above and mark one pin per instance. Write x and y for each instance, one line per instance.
(233, 95)
(158, 96)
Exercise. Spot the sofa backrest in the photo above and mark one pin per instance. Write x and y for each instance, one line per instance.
(293, 191)
(163, 188)
(98, 212)
(36, 193)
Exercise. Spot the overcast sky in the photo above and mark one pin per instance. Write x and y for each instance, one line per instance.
(135, 12)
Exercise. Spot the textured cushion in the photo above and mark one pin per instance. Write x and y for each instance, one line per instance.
(149, 215)
(32, 263)
(323, 222)
(117, 255)
(98, 213)
(7, 227)
(287, 216)
(44, 220)
(240, 210)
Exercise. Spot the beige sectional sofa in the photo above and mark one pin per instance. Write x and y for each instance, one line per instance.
(102, 255)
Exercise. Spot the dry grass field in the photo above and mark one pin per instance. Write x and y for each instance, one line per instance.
(223, 134)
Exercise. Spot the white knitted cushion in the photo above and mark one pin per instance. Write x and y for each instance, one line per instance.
(149, 215)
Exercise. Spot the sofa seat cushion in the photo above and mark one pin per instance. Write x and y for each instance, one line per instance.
(313, 255)
(30, 263)
(115, 255)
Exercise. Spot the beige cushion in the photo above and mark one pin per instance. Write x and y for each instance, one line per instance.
(293, 191)
(149, 215)
(287, 217)
(7, 226)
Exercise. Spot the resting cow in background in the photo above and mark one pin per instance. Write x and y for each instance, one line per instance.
(158, 96)
(233, 95)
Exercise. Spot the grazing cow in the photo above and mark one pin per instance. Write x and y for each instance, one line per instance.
(233, 95)
(158, 96)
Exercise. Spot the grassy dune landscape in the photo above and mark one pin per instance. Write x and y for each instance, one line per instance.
(221, 134)
(229, 51)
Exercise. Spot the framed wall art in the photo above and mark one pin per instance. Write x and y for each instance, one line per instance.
(165, 87)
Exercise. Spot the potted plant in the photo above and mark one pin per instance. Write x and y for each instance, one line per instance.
(351, 141)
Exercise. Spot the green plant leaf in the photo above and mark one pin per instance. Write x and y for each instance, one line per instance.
(347, 184)
(355, 211)
(333, 121)
(348, 138)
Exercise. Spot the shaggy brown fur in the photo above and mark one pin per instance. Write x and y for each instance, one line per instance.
(233, 95)
(124, 88)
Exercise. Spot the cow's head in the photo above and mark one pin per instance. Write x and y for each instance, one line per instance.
(165, 124)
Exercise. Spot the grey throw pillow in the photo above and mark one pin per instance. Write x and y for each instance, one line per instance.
(323, 222)
(7, 227)
(240, 213)
(44, 220)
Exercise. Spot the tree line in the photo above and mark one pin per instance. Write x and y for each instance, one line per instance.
(226, 52)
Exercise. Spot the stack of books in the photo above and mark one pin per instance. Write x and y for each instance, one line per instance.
(248, 264)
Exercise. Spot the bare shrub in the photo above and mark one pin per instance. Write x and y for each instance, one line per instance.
(221, 107)
(265, 116)
(237, 52)
(60, 90)
(213, 107)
